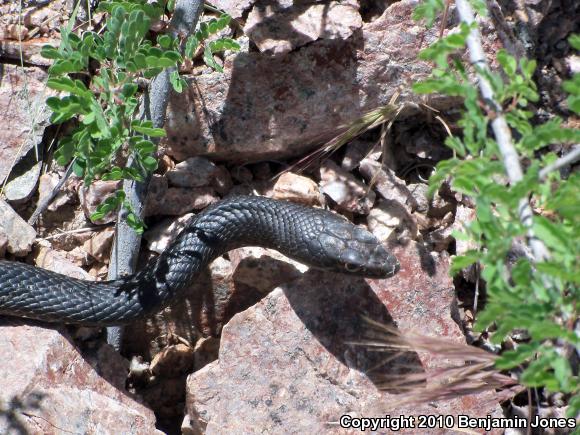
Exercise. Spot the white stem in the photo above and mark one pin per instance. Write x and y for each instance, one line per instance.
(565, 160)
(500, 128)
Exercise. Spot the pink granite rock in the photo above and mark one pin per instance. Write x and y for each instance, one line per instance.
(22, 95)
(279, 30)
(264, 106)
(289, 365)
(49, 387)
(57, 261)
(297, 188)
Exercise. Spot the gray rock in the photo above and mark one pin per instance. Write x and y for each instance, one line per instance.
(21, 188)
(20, 235)
(389, 220)
(387, 184)
(356, 151)
(99, 245)
(160, 236)
(93, 196)
(57, 261)
(177, 201)
(193, 172)
(3, 244)
(347, 191)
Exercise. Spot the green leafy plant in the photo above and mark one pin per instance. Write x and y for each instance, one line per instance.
(539, 295)
(97, 73)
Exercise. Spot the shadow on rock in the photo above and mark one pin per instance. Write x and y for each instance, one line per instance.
(15, 413)
(333, 308)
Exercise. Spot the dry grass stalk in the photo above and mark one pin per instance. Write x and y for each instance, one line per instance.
(470, 370)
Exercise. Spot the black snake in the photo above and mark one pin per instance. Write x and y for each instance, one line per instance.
(318, 238)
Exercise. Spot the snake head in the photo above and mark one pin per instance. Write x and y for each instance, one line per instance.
(346, 248)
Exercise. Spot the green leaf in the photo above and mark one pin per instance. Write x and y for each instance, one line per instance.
(230, 44)
(462, 261)
(149, 163)
(514, 358)
(224, 21)
(428, 11)
(146, 128)
(132, 174)
(555, 236)
(209, 60)
(134, 222)
(128, 90)
(64, 66)
(203, 31)
(176, 81)
(65, 151)
(115, 173)
(216, 46)
(528, 67)
(140, 61)
(97, 216)
(173, 55)
(152, 62)
(68, 85)
(79, 168)
(548, 133)
(574, 41)
(145, 147)
(53, 103)
(165, 41)
(456, 145)
(508, 62)
(165, 62)
(191, 46)
(574, 403)
(49, 52)
(213, 27)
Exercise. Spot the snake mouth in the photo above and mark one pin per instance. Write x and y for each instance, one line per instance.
(395, 268)
(382, 263)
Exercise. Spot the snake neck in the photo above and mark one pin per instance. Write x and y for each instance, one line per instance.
(212, 233)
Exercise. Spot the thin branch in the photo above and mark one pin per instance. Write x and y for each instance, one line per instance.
(503, 137)
(78, 230)
(153, 106)
(511, 160)
(563, 161)
(43, 205)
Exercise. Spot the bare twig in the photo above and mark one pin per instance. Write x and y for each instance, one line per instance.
(78, 230)
(565, 160)
(42, 206)
(500, 128)
(503, 137)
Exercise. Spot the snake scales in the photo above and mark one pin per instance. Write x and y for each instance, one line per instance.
(315, 237)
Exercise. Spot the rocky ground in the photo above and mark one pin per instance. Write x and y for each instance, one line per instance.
(259, 343)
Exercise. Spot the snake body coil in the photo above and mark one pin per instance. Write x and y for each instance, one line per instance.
(316, 237)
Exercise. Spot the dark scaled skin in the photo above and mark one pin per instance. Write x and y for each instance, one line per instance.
(318, 238)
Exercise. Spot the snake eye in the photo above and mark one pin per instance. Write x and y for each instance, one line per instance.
(352, 267)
